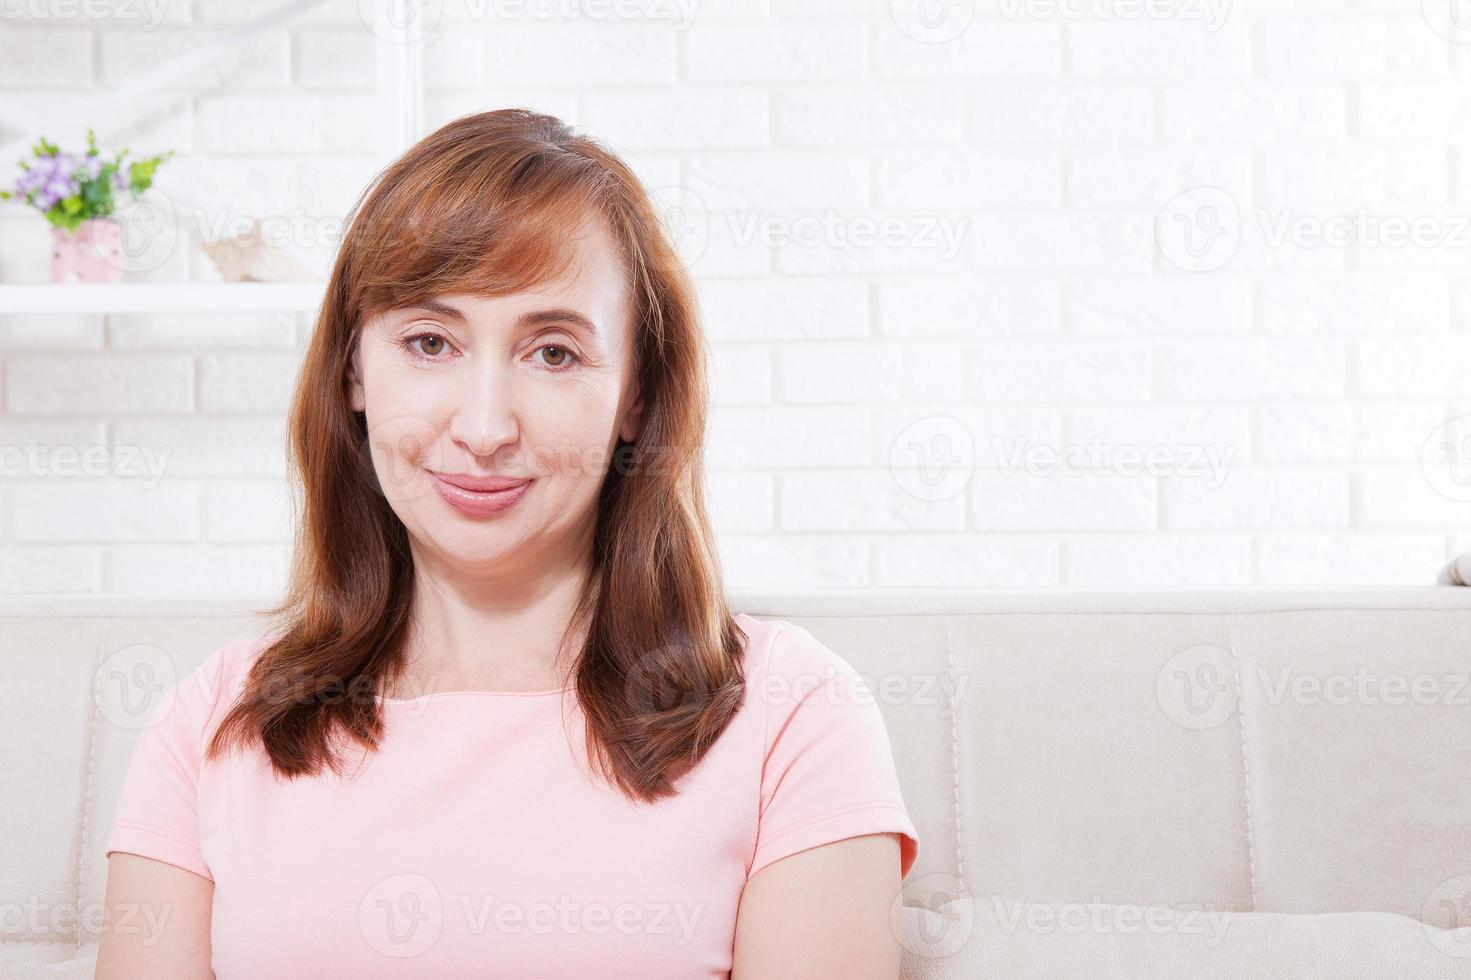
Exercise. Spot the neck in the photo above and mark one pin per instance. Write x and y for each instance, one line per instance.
(489, 634)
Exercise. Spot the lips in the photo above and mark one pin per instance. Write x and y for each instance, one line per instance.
(475, 502)
(482, 484)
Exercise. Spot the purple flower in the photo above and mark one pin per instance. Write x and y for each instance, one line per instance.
(61, 187)
(48, 179)
(51, 178)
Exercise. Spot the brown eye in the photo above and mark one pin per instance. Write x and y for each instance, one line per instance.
(432, 345)
(562, 356)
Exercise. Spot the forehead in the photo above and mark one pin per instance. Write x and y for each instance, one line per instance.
(593, 286)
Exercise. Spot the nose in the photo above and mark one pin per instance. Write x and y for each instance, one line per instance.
(484, 418)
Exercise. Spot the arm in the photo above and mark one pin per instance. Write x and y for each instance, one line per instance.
(156, 921)
(828, 911)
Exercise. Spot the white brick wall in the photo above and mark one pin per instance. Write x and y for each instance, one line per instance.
(965, 332)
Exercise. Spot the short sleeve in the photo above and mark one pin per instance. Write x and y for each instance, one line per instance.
(157, 812)
(829, 771)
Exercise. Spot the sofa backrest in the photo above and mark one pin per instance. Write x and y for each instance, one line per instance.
(1243, 750)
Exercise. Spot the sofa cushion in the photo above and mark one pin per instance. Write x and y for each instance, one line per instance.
(1012, 940)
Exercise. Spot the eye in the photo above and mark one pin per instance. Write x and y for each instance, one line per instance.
(563, 359)
(433, 345)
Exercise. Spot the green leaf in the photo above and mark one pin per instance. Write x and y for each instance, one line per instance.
(140, 178)
(97, 196)
(58, 216)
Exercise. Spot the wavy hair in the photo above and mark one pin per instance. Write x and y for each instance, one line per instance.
(485, 205)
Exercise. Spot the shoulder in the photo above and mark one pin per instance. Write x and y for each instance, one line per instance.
(827, 770)
(202, 692)
(230, 663)
(787, 665)
(780, 648)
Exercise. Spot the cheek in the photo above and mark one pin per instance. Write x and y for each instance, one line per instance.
(569, 427)
(405, 415)
(582, 412)
(401, 398)
(399, 388)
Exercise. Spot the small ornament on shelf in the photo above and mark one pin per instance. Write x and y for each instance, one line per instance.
(1458, 572)
(247, 256)
(76, 193)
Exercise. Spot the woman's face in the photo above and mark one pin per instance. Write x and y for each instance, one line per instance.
(534, 386)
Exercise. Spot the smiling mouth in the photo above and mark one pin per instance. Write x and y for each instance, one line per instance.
(481, 484)
(479, 503)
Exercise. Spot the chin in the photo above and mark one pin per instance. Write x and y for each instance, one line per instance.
(476, 547)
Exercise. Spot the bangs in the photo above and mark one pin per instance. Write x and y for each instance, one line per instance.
(490, 231)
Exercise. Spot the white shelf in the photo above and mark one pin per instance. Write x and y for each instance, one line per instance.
(159, 297)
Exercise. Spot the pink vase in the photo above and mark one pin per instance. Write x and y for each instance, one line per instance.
(93, 253)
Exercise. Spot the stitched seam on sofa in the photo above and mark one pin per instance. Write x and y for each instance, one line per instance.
(88, 781)
(820, 818)
(954, 726)
(1245, 760)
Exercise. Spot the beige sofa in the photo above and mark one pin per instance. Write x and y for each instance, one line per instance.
(1217, 784)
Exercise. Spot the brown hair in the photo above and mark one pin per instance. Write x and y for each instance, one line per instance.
(485, 205)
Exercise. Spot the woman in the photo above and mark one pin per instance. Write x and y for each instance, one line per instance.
(505, 724)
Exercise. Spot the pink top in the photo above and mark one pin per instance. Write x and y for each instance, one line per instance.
(475, 844)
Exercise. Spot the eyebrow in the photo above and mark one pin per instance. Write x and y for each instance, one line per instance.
(534, 318)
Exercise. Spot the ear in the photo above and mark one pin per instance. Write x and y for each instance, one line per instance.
(632, 421)
(356, 395)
